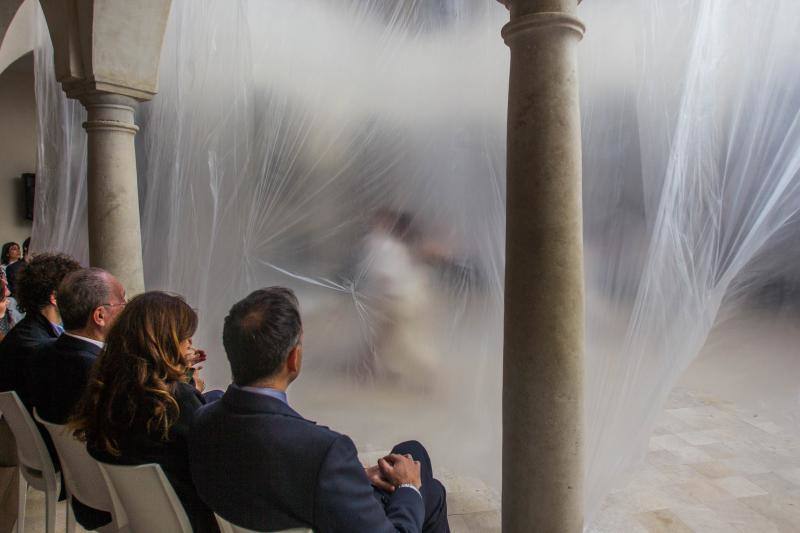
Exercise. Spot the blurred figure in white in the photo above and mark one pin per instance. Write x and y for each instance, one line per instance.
(395, 287)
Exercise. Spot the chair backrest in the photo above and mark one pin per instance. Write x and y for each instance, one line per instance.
(146, 498)
(82, 473)
(227, 527)
(8, 445)
(31, 450)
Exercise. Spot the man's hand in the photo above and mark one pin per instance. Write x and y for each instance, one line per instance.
(400, 470)
(374, 475)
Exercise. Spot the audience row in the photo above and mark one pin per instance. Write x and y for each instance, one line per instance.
(124, 375)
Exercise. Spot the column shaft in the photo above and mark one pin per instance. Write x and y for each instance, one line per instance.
(115, 241)
(544, 318)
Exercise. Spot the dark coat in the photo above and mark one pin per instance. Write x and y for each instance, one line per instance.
(62, 369)
(262, 466)
(17, 355)
(173, 455)
(12, 271)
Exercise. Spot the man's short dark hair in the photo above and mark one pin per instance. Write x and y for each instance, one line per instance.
(80, 293)
(260, 332)
(40, 278)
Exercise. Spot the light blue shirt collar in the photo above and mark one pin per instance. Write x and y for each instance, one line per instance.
(266, 391)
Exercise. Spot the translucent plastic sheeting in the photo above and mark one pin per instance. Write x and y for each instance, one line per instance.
(354, 151)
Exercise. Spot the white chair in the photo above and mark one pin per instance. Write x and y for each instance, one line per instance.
(8, 445)
(82, 474)
(227, 527)
(9, 462)
(145, 497)
(35, 466)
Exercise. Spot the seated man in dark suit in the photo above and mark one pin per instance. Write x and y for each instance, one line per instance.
(36, 295)
(259, 464)
(89, 301)
(36, 286)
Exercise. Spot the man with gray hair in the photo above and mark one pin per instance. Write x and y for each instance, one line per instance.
(88, 300)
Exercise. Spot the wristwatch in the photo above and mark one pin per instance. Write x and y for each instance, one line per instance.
(410, 486)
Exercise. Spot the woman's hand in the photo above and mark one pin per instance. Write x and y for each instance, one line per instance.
(199, 383)
(194, 356)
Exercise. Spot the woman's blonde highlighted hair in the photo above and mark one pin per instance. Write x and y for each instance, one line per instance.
(132, 385)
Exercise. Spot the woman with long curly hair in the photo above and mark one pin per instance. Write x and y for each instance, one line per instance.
(140, 400)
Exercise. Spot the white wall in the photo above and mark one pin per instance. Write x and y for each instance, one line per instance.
(17, 147)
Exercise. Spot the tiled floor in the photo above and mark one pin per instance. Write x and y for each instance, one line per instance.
(34, 519)
(471, 506)
(712, 467)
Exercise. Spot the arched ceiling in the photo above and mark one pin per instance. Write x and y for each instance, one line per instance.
(17, 19)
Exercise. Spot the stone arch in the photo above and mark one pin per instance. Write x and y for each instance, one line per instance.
(16, 24)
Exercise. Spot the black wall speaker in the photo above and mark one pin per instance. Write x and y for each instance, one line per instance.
(29, 184)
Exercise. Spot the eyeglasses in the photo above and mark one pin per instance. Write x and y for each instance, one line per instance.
(123, 304)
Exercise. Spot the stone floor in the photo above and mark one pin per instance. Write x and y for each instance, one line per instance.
(34, 519)
(712, 467)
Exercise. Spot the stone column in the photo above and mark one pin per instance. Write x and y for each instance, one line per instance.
(107, 54)
(544, 318)
(114, 232)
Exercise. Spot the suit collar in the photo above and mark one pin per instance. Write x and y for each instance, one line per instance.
(242, 400)
(72, 343)
(43, 322)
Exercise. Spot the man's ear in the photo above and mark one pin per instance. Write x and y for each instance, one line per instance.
(53, 298)
(293, 360)
(99, 316)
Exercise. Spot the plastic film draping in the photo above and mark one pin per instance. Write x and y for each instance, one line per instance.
(354, 151)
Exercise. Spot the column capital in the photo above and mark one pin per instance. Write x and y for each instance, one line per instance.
(82, 88)
(99, 98)
(508, 3)
(533, 22)
(107, 46)
(107, 111)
